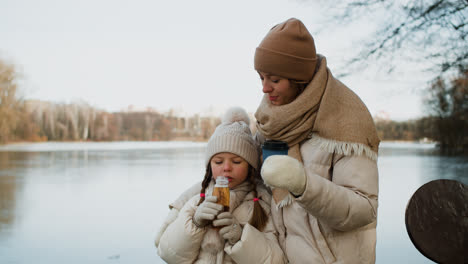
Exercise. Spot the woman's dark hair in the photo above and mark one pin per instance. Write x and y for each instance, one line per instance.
(259, 217)
(299, 85)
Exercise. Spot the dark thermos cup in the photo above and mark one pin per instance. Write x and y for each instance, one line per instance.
(274, 147)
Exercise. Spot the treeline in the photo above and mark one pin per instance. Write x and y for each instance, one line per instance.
(412, 130)
(447, 121)
(20, 120)
(447, 102)
(43, 121)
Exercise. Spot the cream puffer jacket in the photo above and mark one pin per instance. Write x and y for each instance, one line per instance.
(181, 241)
(334, 220)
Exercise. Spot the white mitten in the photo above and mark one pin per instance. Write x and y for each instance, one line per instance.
(232, 230)
(207, 211)
(281, 171)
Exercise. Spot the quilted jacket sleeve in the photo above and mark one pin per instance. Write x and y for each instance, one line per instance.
(349, 200)
(175, 207)
(256, 247)
(185, 196)
(180, 243)
(171, 217)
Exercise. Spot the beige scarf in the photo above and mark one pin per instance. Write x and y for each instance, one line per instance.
(326, 111)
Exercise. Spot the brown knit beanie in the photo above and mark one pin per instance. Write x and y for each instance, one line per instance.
(288, 51)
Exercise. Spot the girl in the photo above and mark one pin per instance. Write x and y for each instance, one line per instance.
(202, 232)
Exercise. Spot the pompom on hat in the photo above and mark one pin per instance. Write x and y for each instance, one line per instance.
(288, 50)
(233, 135)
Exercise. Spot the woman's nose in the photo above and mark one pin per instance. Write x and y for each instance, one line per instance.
(266, 87)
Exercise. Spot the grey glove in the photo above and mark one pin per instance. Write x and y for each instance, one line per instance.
(207, 211)
(232, 231)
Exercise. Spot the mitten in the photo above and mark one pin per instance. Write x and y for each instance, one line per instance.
(281, 171)
(232, 230)
(207, 211)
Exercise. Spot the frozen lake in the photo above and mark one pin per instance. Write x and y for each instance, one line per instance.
(103, 202)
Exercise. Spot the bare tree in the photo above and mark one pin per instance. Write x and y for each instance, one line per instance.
(432, 32)
(9, 103)
(448, 103)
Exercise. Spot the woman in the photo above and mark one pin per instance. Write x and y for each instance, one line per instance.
(325, 190)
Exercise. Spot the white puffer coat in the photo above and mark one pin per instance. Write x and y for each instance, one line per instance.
(180, 241)
(334, 220)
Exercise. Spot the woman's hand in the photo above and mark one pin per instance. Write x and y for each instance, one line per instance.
(207, 211)
(282, 171)
(232, 230)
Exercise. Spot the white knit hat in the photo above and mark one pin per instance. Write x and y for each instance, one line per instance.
(233, 135)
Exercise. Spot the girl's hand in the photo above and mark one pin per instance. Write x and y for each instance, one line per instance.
(207, 211)
(232, 230)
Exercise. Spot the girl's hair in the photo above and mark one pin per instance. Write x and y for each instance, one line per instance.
(206, 181)
(259, 217)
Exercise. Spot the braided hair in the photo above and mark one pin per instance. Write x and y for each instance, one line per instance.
(259, 217)
(206, 181)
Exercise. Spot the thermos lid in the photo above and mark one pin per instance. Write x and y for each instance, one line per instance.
(275, 145)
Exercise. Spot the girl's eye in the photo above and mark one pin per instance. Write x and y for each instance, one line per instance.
(218, 162)
(236, 161)
(275, 81)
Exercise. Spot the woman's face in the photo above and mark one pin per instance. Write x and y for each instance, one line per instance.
(235, 168)
(279, 90)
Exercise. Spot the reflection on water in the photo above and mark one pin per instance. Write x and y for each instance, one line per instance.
(7, 201)
(103, 203)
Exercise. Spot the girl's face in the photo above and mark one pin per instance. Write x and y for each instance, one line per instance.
(279, 90)
(235, 168)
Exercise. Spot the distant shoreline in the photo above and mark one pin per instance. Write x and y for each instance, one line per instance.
(148, 145)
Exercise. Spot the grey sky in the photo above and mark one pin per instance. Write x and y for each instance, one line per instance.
(189, 55)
